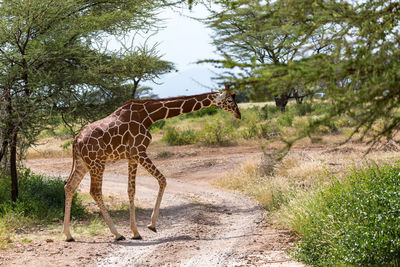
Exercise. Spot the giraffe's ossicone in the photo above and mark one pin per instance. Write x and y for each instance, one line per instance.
(124, 134)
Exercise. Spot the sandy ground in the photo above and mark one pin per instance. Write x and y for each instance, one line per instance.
(199, 224)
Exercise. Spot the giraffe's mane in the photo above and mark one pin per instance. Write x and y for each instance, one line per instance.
(166, 99)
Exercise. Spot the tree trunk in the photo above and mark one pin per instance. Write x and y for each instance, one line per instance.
(299, 99)
(135, 87)
(281, 101)
(13, 167)
(3, 150)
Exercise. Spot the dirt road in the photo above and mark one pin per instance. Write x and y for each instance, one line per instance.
(199, 225)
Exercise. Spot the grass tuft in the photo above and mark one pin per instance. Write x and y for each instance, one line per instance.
(177, 137)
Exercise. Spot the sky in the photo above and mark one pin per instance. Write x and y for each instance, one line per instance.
(183, 41)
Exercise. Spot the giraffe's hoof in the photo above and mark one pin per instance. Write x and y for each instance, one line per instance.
(152, 228)
(120, 238)
(137, 237)
(70, 239)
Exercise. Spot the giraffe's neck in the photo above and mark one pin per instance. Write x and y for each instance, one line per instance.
(168, 108)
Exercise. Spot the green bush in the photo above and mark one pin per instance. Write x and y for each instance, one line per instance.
(301, 109)
(269, 129)
(270, 111)
(158, 125)
(266, 129)
(218, 133)
(66, 145)
(286, 119)
(202, 112)
(320, 108)
(177, 137)
(251, 123)
(39, 199)
(352, 222)
(253, 130)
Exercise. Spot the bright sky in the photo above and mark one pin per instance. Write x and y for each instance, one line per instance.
(183, 41)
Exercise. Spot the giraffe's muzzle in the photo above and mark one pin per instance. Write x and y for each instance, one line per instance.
(238, 115)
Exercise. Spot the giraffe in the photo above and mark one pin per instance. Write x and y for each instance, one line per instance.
(124, 134)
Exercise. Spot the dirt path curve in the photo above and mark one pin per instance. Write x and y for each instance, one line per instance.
(199, 224)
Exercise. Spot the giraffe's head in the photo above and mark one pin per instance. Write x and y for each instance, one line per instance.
(227, 102)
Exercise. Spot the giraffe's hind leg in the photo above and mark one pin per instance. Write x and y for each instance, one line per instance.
(96, 181)
(132, 167)
(70, 187)
(151, 168)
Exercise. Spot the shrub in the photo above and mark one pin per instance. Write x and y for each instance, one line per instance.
(251, 131)
(269, 111)
(251, 119)
(252, 114)
(351, 222)
(326, 128)
(285, 120)
(320, 108)
(158, 125)
(39, 198)
(66, 145)
(218, 133)
(269, 129)
(301, 109)
(176, 137)
(266, 129)
(202, 112)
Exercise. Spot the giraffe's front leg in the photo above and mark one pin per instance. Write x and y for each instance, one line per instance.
(149, 166)
(132, 168)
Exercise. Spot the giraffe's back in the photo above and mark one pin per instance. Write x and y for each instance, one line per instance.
(117, 136)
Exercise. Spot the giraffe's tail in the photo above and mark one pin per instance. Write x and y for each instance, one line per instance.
(72, 172)
(73, 161)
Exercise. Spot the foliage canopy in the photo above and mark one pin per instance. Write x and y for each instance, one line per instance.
(49, 64)
(346, 51)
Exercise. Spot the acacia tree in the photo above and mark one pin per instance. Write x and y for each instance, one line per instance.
(47, 58)
(139, 64)
(348, 50)
(358, 70)
(249, 35)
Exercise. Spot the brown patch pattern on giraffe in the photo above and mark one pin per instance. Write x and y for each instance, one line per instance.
(124, 135)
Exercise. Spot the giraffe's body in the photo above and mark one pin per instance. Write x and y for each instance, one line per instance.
(124, 135)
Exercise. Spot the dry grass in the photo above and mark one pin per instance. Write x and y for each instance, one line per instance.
(304, 169)
(49, 148)
(246, 180)
(254, 104)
